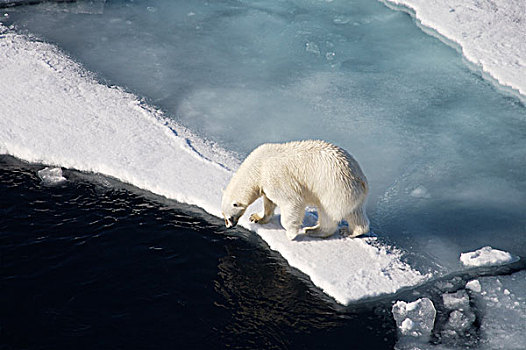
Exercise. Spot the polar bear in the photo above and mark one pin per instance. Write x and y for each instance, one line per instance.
(295, 175)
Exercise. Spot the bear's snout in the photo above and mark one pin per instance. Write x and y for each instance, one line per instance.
(230, 222)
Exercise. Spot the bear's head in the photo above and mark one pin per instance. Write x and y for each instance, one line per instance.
(232, 211)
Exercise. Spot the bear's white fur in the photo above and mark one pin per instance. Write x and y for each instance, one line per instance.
(295, 175)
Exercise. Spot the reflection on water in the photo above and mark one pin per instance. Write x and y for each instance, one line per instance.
(92, 263)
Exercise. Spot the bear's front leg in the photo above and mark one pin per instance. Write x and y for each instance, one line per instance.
(268, 212)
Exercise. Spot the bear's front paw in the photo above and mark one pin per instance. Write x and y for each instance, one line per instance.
(255, 218)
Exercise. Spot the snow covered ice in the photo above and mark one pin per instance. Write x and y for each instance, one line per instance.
(170, 95)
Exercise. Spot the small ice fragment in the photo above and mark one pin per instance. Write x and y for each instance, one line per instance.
(457, 300)
(486, 256)
(190, 14)
(474, 285)
(51, 176)
(420, 192)
(312, 48)
(415, 319)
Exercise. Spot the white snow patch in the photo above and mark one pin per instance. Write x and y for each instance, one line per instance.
(51, 176)
(53, 112)
(491, 33)
(486, 256)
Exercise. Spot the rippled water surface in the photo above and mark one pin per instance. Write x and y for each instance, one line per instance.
(92, 264)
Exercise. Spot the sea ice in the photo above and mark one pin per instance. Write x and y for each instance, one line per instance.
(486, 256)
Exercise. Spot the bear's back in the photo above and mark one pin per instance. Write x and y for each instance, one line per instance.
(317, 164)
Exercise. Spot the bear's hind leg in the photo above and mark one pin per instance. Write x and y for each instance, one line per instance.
(358, 222)
(324, 228)
(268, 212)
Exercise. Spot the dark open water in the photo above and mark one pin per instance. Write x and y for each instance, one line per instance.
(95, 264)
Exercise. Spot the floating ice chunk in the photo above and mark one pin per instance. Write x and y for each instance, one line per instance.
(486, 256)
(51, 176)
(459, 321)
(420, 192)
(415, 319)
(457, 300)
(474, 285)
